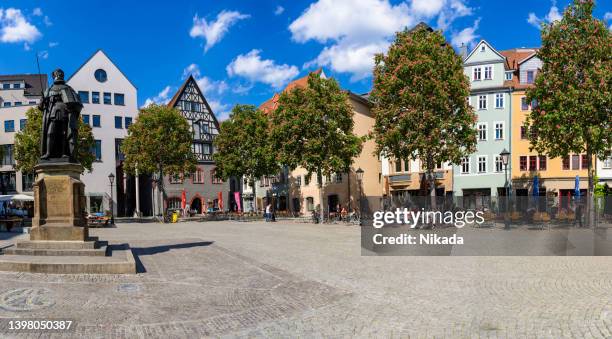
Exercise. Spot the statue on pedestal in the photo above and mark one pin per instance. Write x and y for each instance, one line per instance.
(61, 107)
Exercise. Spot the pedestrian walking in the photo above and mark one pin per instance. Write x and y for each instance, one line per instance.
(578, 214)
(268, 214)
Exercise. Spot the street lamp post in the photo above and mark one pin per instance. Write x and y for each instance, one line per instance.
(505, 157)
(359, 173)
(111, 179)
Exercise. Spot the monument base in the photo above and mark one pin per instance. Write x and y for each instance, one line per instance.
(59, 238)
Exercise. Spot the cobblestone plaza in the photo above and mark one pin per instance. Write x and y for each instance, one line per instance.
(285, 279)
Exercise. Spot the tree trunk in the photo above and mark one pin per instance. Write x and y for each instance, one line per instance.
(254, 195)
(432, 182)
(163, 193)
(320, 182)
(590, 217)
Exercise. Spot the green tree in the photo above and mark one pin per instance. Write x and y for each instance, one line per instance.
(243, 146)
(159, 142)
(312, 127)
(27, 143)
(572, 101)
(420, 94)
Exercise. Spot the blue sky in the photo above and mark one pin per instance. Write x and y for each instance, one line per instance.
(245, 51)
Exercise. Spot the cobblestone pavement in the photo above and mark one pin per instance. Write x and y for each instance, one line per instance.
(284, 279)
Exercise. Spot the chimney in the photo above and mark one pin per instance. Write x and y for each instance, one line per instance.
(463, 50)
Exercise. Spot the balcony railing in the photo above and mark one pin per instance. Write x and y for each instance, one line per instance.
(399, 177)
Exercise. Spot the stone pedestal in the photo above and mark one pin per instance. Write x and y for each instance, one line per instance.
(59, 203)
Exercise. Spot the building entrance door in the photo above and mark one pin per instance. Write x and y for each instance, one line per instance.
(196, 205)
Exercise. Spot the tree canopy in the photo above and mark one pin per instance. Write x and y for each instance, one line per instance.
(159, 140)
(243, 145)
(420, 95)
(27, 143)
(312, 127)
(572, 92)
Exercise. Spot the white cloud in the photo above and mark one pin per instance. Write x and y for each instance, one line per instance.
(53, 44)
(15, 28)
(353, 31)
(252, 67)
(161, 98)
(37, 11)
(279, 10)
(357, 59)
(43, 54)
(466, 36)
(206, 84)
(608, 18)
(214, 31)
(552, 16)
(47, 21)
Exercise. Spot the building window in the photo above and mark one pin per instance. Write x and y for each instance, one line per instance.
(100, 75)
(477, 73)
(118, 122)
(407, 165)
(84, 96)
(533, 163)
(607, 162)
(96, 120)
(488, 72)
(523, 163)
(6, 104)
(524, 104)
(499, 130)
(18, 103)
(6, 86)
(9, 126)
(215, 180)
(107, 98)
(17, 85)
(128, 122)
(523, 132)
(575, 161)
(307, 178)
(482, 102)
(95, 97)
(566, 163)
(27, 181)
(499, 164)
(482, 164)
(198, 176)
(33, 102)
(585, 161)
(298, 181)
(482, 48)
(542, 159)
(530, 77)
(310, 204)
(176, 179)
(508, 76)
(22, 124)
(465, 165)
(97, 150)
(85, 118)
(7, 155)
(398, 166)
(338, 178)
(499, 100)
(174, 203)
(482, 131)
(119, 99)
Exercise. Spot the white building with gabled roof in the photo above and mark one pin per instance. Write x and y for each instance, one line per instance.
(109, 106)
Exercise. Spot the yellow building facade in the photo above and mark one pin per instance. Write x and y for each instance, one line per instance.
(556, 176)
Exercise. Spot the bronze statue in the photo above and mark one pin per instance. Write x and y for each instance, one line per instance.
(61, 108)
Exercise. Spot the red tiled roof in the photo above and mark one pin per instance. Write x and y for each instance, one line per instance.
(513, 58)
(271, 104)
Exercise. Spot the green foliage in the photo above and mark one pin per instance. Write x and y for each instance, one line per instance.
(243, 145)
(312, 127)
(420, 94)
(27, 143)
(159, 140)
(572, 90)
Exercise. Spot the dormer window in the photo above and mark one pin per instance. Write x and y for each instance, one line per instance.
(482, 48)
(530, 77)
(509, 76)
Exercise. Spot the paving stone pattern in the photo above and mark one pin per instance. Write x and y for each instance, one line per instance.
(284, 279)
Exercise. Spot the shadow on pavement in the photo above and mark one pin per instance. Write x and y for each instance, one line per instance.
(141, 251)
